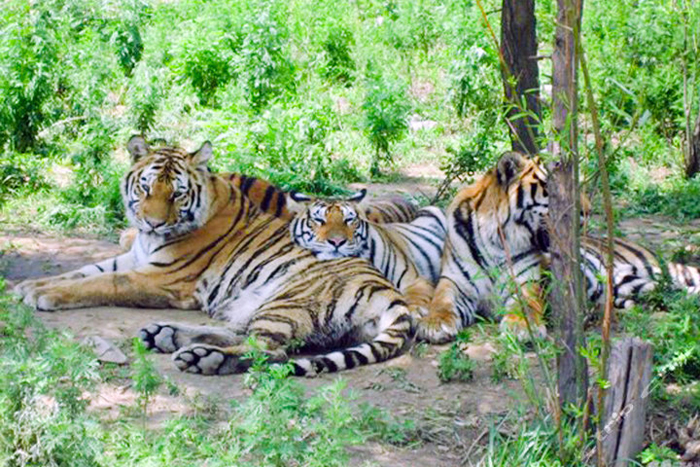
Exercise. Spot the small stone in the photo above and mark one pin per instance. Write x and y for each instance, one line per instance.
(106, 351)
(480, 352)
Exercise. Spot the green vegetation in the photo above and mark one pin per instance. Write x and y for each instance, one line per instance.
(310, 95)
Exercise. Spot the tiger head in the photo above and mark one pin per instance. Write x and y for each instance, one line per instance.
(509, 202)
(330, 229)
(512, 203)
(165, 191)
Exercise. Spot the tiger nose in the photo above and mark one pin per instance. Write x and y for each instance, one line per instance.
(153, 223)
(336, 241)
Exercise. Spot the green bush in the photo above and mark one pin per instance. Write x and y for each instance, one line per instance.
(29, 71)
(43, 377)
(96, 180)
(339, 65)
(386, 113)
(20, 173)
(265, 64)
(208, 68)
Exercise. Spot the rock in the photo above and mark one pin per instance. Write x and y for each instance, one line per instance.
(480, 352)
(105, 350)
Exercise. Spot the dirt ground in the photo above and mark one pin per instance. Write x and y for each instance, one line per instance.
(407, 386)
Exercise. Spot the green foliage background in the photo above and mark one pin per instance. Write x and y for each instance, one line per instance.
(310, 94)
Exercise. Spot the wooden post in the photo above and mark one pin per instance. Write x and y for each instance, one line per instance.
(629, 374)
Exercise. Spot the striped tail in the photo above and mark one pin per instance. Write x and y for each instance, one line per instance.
(685, 277)
(389, 343)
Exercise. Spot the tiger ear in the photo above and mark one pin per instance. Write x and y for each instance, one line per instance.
(296, 202)
(202, 155)
(358, 197)
(509, 167)
(137, 147)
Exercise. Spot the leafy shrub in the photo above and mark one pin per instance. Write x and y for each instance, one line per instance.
(28, 72)
(97, 179)
(474, 80)
(20, 173)
(287, 146)
(386, 112)
(43, 377)
(129, 44)
(265, 64)
(339, 65)
(674, 334)
(453, 363)
(208, 69)
(146, 94)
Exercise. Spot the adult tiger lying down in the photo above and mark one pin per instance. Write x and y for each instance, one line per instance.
(497, 245)
(201, 244)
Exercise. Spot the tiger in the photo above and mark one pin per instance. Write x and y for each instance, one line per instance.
(408, 254)
(273, 200)
(203, 245)
(479, 271)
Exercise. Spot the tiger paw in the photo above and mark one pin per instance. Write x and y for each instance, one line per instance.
(210, 360)
(437, 329)
(26, 287)
(160, 337)
(42, 299)
(518, 326)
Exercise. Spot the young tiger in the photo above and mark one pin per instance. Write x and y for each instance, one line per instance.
(203, 245)
(510, 203)
(408, 254)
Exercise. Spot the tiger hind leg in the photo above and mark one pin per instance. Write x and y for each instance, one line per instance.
(275, 329)
(170, 337)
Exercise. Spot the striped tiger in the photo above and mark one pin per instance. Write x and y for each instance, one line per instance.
(408, 254)
(636, 271)
(203, 245)
(480, 272)
(273, 200)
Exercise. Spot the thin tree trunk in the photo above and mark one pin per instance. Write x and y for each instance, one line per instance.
(520, 73)
(566, 298)
(692, 163)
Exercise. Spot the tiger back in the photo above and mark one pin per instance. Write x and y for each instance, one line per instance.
(408, 254)
(202, 244)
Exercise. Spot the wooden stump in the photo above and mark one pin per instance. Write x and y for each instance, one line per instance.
(629, 373)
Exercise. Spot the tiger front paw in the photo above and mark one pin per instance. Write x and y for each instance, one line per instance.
(518, 326)
(42, 298)
(210, 360)
(438, 328)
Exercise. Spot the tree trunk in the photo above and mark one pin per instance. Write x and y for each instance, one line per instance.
(692, 162)
(520, 73)
(566, 297)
